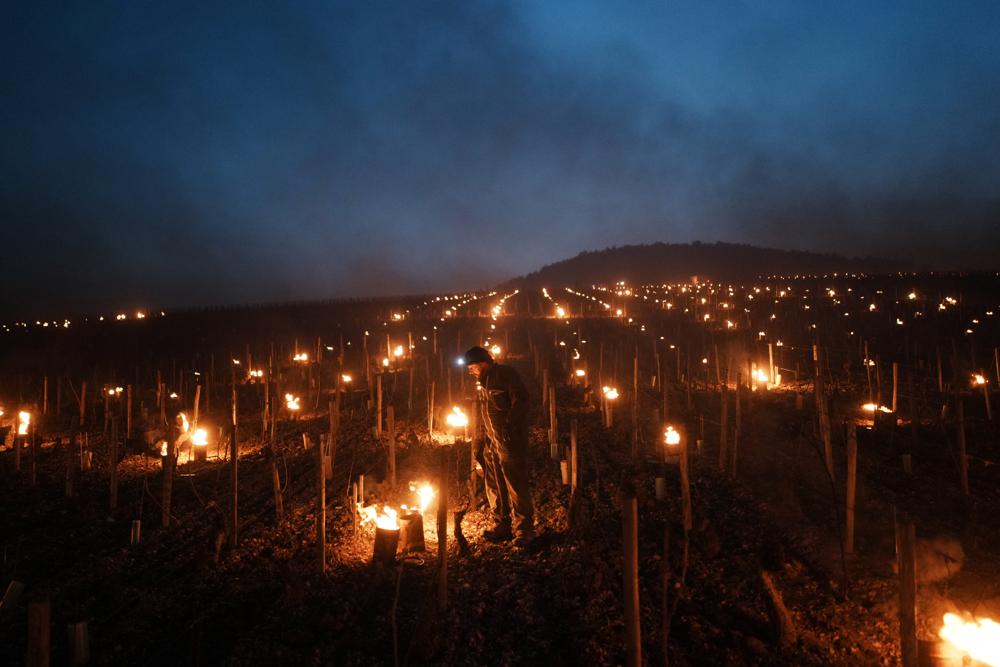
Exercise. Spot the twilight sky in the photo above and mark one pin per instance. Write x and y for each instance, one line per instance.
(179, 153)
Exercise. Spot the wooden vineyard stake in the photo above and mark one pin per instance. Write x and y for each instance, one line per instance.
(914, 413)
(128, 411)
(852, 486)
(444, 484)
(635, 404)
(83, 403)
(409, 381)
(378, 406)
(70, 467)
(906, 565)
(39, 633)
(168, 479)
(163, 408)
(33, 454)
(113, 464)
(686, 486)
(574, 456)
(986, 398)
(197, 407)
(940, 372)
(234, 455)
(430, 412)
(734, 452)
(723, 428)
(895, 387)
(963, 460)
(630, 584)
(823, 411)
(390, 418)
(79, 643)
(553, 426)
(770, 362)
(331, 441)
(321, 506)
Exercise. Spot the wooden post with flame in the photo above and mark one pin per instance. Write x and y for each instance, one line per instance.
(630, 575)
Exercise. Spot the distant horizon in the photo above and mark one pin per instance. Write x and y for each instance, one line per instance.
(111, 310)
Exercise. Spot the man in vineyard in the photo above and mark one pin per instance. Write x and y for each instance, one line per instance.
(505, 418)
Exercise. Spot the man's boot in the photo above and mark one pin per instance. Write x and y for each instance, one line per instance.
(500, 532)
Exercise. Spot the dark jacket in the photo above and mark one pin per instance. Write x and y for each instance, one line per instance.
(505, 404)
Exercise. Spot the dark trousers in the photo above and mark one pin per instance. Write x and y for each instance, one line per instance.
(507, 487)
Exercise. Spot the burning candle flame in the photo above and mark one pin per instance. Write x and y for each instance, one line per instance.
(457, 418)
(387, 519)
(426, 494)
(979, 639)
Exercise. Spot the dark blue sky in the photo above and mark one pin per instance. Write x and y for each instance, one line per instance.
(213, 152)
